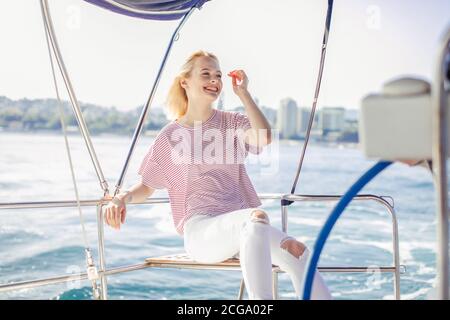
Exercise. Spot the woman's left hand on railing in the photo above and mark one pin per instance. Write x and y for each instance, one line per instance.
(115, 212)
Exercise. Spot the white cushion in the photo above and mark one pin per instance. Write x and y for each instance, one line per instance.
(396, 125)
(406, 86)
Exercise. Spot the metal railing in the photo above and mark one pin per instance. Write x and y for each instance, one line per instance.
(381, 200)
(104, 272)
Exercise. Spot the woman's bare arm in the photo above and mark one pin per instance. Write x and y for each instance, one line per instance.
(137, 193)
(260, 133)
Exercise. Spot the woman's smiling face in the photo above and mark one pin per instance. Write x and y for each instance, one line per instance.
(205, 81)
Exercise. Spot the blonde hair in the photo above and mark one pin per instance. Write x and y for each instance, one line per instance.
(177, 100)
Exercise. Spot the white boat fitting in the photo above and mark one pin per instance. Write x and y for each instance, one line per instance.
(396, 124)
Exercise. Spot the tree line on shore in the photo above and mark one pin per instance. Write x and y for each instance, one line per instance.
(44, 114)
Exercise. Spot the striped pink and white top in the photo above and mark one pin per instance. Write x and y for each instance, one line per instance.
(202, 167)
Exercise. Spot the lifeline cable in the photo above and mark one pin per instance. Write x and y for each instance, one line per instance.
(91, 268)
(316, 94)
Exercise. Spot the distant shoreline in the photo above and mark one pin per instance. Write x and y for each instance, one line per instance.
(75, 133)
(153, 133)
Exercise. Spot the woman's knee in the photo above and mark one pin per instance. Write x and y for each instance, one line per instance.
(259, 216)
(294, 247)
(257, 224)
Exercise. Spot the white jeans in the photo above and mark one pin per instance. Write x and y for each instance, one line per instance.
(237, 234)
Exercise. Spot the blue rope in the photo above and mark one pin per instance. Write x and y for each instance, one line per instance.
(332, 219)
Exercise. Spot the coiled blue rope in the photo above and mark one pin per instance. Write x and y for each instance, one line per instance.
(331, 221)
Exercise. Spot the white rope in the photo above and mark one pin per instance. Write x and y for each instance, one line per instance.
(64, 129)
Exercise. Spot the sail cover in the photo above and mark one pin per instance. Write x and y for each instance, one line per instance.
(150, 9)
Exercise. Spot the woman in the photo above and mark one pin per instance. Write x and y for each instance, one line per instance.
(214, 205)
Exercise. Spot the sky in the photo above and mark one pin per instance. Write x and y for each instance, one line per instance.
(113, 60)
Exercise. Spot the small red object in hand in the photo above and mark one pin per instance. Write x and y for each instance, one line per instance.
(233, 74)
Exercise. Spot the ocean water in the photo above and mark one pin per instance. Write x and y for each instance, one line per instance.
(39, 243)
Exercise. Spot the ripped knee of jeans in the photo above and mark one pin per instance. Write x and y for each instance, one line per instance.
(259, 216)
(294, 247)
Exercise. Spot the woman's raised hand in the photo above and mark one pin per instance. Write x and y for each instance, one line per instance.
(239, 81)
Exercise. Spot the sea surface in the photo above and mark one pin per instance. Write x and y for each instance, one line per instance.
(40, 243)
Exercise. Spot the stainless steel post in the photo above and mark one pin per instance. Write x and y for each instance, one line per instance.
(73, 99)
(144, 112)
(101, 253)
(440, 154)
